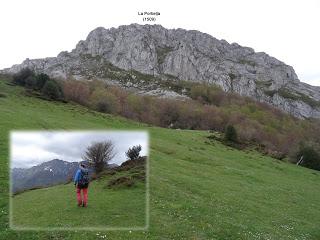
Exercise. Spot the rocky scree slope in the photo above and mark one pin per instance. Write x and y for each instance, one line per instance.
(141, 57)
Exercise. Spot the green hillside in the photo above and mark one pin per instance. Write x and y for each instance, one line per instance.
(55, 207)
(199, 189)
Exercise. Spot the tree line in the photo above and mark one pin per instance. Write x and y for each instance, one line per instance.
(239, 118)
(42, 83)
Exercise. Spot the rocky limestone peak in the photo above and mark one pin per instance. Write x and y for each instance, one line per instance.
(180, 54)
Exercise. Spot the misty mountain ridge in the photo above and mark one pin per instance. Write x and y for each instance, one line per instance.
(137, 56)
(46, 174)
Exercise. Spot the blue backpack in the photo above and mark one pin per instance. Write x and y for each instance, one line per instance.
(84, 179)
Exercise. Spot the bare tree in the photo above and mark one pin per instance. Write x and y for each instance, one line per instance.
(99, 153)
(134, 152)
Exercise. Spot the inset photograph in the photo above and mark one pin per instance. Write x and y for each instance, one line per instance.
(78, 180)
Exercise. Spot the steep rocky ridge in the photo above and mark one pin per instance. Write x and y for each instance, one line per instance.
(142, 57)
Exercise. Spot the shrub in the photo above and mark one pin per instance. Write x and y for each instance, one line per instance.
(31, 82)
(76, 91)
(134, 152)
(168, 113)
(217, 98)
(231, 134)
(52, 90)
(199, 92)
(20, 77)
(41, 80)
(211, 94)
(311, 157)
(212, 118)
(121, 97)
(94, 85)
(104, 101)
(135, 104)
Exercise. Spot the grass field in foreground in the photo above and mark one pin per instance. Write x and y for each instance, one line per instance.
(55, 207)
(198, 189)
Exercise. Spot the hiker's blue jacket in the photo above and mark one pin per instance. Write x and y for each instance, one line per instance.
(77, 176)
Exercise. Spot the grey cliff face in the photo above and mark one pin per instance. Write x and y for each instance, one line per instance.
(183, 55)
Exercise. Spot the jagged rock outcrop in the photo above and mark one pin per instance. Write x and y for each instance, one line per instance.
(178, 54)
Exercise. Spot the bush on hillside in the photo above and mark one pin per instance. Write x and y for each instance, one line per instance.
(311, 157)
(41, 80)
(134, 152)
(230, 134)
(31, 82)
(104, 101)
(76, 91)
(36, 81)
(52, 90)
(168, 113)
(208, 94)
(20, 77)
(199, 92)
(136, 106)
(48, 87)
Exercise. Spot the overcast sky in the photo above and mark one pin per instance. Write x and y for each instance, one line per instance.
(32, 148)
(285, 29)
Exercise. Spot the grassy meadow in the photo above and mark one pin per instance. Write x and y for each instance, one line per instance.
(199, 188)
(55, 207)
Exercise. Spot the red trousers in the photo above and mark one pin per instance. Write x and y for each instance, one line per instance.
(83, 200)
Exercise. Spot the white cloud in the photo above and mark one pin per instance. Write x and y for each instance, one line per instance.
(286, 29)
(32, 148)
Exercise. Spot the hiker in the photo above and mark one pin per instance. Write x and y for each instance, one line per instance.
(81, 182)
